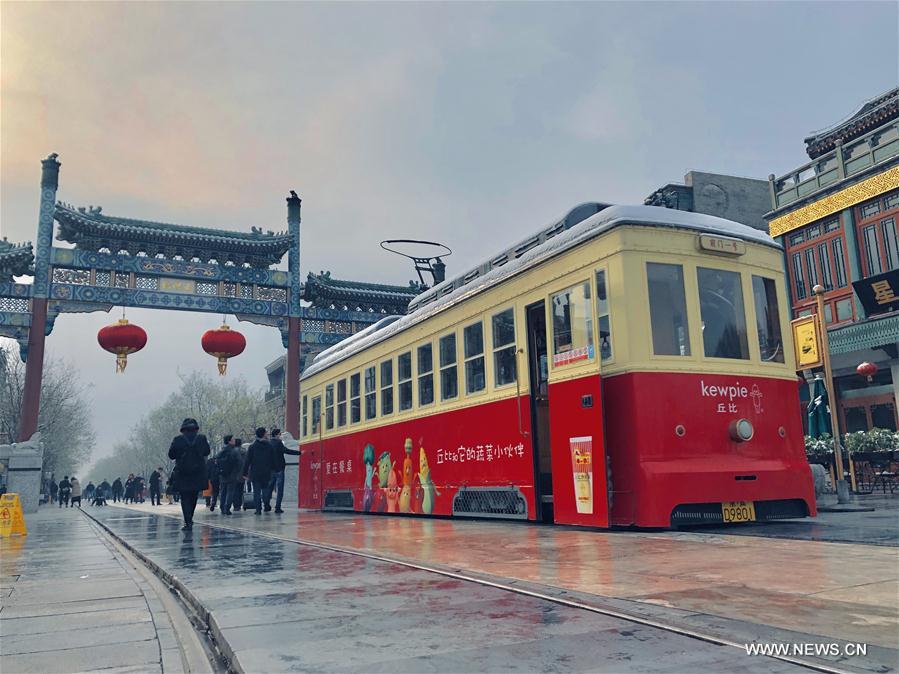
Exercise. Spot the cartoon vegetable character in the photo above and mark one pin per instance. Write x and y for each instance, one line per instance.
(406, 491)
(368, 457)
(430, 492)
(384, 466)
(393, 492)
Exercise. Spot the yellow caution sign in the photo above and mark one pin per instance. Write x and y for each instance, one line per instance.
(12, 521)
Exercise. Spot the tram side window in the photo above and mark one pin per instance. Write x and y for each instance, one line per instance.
(355, 402)
(723, 314)
(316, 414)
(387, 387)
(572, 318)
(305, 415)
(473, 344)
(767, 319)
(329, 407)
(404, 380)
(449, 378)
(425, 374)
(504, 348)
(341, 403)
(371, 399)
(602, 313)
(668, 309)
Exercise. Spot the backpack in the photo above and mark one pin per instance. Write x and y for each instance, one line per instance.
(191, 462)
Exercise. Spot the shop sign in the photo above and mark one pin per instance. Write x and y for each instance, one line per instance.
(807, 342)
(879, 294)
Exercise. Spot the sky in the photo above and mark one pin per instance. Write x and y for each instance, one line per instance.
(473, 124)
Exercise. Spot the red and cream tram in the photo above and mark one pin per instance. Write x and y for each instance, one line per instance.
(628, 365)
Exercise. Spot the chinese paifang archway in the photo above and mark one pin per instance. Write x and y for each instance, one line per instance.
(127, 262)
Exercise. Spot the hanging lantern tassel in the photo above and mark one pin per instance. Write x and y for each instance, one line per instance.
(223, 343)
(122, 338)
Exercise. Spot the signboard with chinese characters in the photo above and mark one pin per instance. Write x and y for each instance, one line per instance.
(721, 244)
(807, 343)
(879, 294)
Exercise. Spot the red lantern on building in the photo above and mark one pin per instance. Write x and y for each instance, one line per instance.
(223, 343)
(867, 370)
(121, 339)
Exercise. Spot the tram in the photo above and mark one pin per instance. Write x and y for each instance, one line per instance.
(625, 366)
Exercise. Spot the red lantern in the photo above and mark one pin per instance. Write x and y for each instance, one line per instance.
(223, 343)
(867, 370)
(121, 339)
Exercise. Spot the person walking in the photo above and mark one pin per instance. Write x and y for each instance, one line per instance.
(76, 491)
(103, 489)
(117, 490)
(65, 489)
(89, 491)
(259, 467)
(189, 451)
(155, 487)
(54, 489)
(230, 470)
(212, 474)
(129, 489)
(280, 466)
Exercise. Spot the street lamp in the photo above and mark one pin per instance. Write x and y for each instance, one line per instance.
(842, 487)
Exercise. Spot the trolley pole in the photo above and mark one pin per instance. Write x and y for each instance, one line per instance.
(842, 487)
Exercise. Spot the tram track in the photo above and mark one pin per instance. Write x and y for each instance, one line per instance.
(542, 593)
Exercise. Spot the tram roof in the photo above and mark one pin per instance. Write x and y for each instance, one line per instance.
(497, 269)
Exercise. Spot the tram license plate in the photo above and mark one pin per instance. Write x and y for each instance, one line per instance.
(738, 511)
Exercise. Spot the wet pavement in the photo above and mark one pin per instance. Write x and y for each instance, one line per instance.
(880, 527)
(741, 588)
(69, 602)
(279, 606)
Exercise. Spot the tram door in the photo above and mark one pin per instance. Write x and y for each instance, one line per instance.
(538, 370)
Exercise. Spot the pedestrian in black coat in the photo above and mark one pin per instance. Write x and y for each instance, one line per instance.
(155, 487)
(189, 451)
(65, 490)
(117, 490)
(259, 468)
(280, 466)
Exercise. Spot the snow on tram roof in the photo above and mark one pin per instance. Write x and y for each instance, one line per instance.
(499, 268)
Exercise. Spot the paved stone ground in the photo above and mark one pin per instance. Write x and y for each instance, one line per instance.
(740, 587)
(69, 602)
(880, 527)
(280, 606)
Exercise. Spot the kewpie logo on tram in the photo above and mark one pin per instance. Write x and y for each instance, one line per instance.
(582, 472)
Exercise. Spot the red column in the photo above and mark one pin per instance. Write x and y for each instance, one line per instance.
(292, 379)
(34, 370)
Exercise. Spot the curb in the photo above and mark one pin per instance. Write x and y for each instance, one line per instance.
(206, 618)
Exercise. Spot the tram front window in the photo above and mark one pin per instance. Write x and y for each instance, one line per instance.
(723, 315)
(668, 309)
(767, 319)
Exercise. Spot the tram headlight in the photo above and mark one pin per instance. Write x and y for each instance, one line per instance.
(741, 430)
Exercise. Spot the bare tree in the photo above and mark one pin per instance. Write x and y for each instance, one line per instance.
(64, 420)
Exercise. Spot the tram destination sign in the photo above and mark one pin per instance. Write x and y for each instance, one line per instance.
(879, 294)
(807, 342)
(724, 245)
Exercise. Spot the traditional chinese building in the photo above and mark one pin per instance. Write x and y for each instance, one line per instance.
(836, 217)
(343, 308)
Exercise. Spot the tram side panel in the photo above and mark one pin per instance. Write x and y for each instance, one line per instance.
(467, 462)
(580, 493)
(671, 448)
